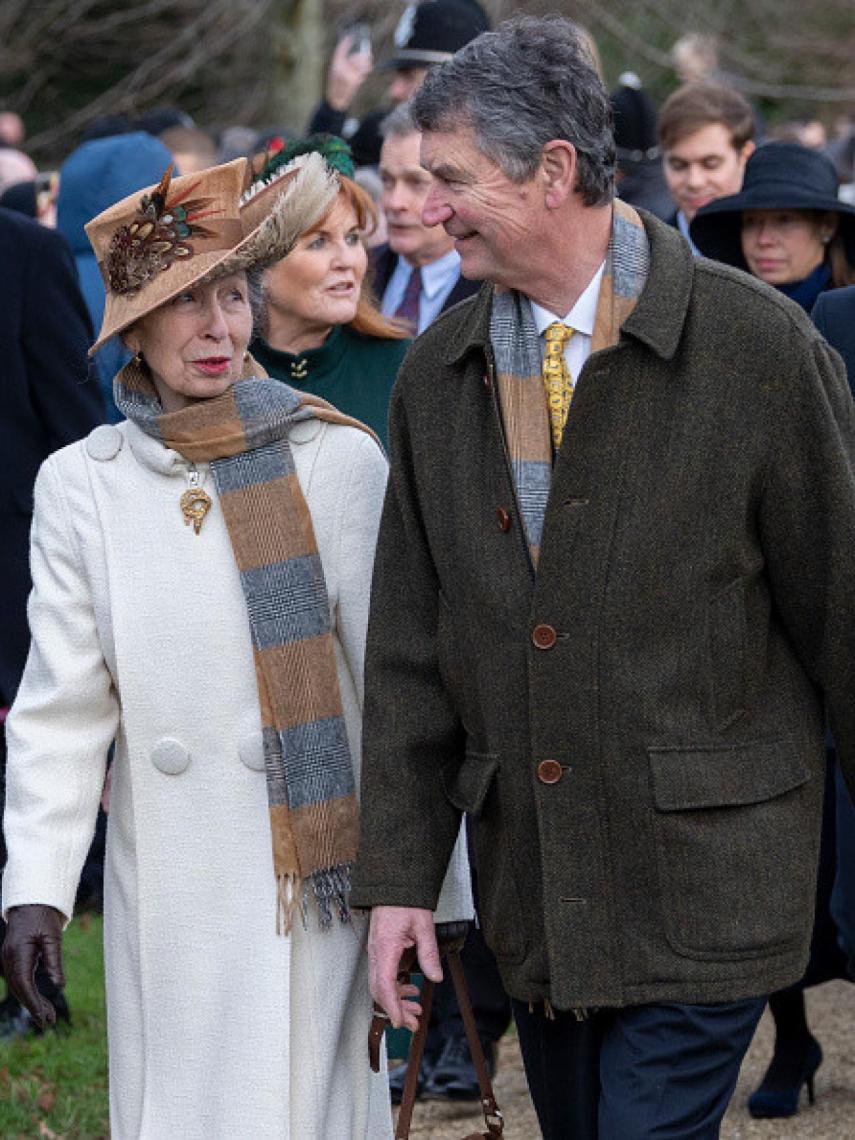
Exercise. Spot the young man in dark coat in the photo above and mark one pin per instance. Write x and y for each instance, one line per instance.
(607, 629)
(48, 401)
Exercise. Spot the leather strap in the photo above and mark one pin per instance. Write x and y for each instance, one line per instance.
(492, 1116)
(417, 1049)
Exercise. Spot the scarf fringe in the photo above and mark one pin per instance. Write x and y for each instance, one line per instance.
(287, 891)
(329, 889)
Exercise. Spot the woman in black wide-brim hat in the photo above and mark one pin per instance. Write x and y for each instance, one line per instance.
(786, 226)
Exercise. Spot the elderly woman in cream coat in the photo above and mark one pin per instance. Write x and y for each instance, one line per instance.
(201, 582)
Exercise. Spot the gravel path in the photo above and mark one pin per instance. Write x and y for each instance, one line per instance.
(831, 1012)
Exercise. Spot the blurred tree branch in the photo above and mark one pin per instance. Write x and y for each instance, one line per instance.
(262, 62)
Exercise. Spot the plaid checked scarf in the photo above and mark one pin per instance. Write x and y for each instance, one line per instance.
(310, 786)
(516, 347)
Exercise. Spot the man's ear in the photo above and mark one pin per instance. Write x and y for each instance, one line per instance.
(558, 171)
(748, 149)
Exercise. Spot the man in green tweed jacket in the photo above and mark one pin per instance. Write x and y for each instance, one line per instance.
(615, 656)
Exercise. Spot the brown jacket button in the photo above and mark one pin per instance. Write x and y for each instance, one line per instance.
(503, 518)
(544, 636)
(549, 771)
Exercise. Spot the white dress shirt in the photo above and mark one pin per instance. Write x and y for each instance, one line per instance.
(580, 318)
(683, 227)
(438, 279)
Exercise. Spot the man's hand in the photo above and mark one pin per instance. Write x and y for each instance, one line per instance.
(348, 71)
(33, 932)
(393, 930)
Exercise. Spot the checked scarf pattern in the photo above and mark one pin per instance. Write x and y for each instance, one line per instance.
(516, 347)
(310, 785)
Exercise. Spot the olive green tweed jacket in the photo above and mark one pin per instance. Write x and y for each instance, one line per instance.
(697, 571)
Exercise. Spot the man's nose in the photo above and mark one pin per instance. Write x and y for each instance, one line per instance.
(434, 210)
(396, 199)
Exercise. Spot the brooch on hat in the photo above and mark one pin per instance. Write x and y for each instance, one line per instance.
(157, 236)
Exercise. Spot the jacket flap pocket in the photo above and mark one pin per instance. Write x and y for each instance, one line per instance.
(467, 785)
(688, 778)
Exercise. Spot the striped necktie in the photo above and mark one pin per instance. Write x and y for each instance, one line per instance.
(408, 310)
(557, 380)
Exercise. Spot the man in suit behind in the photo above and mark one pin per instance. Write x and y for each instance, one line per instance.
(417, 274)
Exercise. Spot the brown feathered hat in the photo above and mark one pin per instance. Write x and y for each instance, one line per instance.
(191, 230)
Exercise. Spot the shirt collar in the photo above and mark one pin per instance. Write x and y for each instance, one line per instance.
(683, 227)
(437, 273)
(583, 314)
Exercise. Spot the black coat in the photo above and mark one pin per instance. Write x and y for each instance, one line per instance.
(383, 261)
(48, 401)
(834, 316)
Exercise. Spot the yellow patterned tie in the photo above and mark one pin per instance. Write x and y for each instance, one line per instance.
(556, 379)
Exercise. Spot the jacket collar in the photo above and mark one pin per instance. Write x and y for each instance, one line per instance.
(656, 321)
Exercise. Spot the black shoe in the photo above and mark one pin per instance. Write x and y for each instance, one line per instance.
(454, 1076)
(399, 1074)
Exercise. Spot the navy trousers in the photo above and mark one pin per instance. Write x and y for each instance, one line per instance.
(650, 1072)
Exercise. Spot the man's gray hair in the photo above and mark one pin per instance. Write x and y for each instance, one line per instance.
(398, 124)
(530, 81)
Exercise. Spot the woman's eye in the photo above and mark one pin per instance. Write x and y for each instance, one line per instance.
(353, 238)
(316, 243)
(184, 298)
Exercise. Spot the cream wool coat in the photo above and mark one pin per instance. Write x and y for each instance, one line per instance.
(217, 1026)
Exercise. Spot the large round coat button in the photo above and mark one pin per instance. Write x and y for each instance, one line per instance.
(549, 771)
(544, 636)
(251, 751)
(170, 756)
(104, 442)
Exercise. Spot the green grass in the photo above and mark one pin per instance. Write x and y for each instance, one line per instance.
(55, 1086)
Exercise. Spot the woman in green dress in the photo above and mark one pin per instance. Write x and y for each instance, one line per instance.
(323, 332)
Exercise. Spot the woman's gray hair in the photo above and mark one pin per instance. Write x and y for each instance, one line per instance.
(255, 296)
(530, 81)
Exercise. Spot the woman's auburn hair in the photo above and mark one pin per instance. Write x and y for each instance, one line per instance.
(368, 321)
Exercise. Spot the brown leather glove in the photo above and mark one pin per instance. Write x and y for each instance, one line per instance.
(33, 932)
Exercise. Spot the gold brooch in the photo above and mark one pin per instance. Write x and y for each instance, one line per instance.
(195, 503)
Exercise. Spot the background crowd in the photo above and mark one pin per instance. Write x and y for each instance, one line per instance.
(773, 198)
